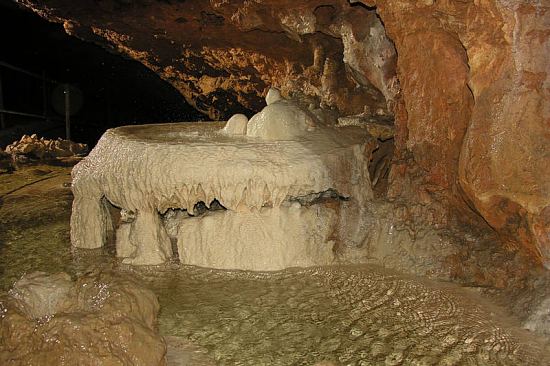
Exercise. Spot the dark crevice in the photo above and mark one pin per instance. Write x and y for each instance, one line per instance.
(324, 14)
(359, 4)
(330, 195)
(200, 208)
(379, 166)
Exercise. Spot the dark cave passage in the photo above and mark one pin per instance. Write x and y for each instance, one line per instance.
(114, 90)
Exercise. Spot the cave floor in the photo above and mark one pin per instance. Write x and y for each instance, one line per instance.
(348, 315)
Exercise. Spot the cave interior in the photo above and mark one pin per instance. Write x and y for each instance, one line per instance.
(453, 95)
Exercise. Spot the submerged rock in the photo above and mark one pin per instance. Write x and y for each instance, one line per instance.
(40, 294)
(95, 320)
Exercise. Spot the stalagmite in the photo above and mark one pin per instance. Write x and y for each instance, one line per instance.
(280, 120)
(273, 95)
(236, 125)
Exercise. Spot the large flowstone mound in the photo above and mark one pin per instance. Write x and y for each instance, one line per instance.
(293, 191)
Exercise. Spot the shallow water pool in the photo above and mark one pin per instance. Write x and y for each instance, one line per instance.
(354, 315)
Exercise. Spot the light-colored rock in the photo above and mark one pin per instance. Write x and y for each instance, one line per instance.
(134, 240)
(281, 120)
(539, 319)
(268, 239)
(236, 125)
(273, 95)
(370, 55)
(90, 214)
(171, 220)
(40, 294)
(150, 169)
(40, 148)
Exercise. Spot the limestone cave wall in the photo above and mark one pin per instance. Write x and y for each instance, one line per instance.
(474, 113)
(466, 81)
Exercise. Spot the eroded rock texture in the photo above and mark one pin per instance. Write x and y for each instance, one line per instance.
(270, 182)
(100, 319)
(469, 88)
(474, 108)
(223, 55)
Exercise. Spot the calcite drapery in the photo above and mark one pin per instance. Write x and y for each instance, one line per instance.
(147, 170)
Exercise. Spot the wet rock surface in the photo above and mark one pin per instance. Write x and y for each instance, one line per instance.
(345, 314)
(253, 176)
(348, 315)
(97, 319)
(39, 294)
(472, 110)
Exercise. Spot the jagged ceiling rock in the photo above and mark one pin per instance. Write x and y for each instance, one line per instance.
(223, 56)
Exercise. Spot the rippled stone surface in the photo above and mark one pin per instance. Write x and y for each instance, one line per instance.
(349, 315)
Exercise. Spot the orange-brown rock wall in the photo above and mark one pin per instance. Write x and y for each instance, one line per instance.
(223, 56)
(475, 93)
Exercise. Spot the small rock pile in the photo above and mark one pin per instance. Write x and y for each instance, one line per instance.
(33, 147)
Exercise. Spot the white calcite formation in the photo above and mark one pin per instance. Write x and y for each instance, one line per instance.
(281, 120)
(273, 95)
(236, 125)
(265, 239)
(265, 180)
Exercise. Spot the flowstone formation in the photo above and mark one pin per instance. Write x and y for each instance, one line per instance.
(99, 319)
(281, 190)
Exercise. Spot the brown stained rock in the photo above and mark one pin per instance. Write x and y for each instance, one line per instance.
(223, 56)
(475, 114)
(505, 159)
(368, 53)
(100, 319)
(40, 294)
